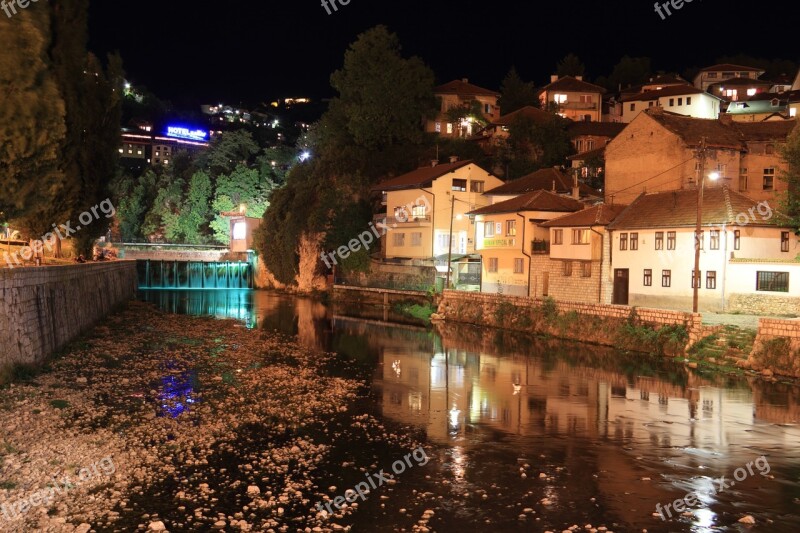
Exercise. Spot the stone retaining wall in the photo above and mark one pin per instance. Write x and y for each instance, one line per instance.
(392, 276)
(44, 308)
(594, 323)
(777, 347)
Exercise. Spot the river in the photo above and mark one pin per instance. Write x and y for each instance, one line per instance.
(533, 434)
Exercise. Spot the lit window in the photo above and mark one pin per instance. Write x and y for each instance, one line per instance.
(793, 112)
(560, 98)
(438, 127)
(751, 92)
(511, 228)
(580, 236)
(449, 127)
(239, 231)
(488, 229)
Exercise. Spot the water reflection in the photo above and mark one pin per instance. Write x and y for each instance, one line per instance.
(628, 431)
(177, 393)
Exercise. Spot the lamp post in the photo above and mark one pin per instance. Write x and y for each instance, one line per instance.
(701, 180)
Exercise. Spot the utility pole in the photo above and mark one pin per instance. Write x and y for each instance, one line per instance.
(450, 240)
(702, 153)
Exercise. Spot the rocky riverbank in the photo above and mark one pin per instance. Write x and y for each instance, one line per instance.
(202, 424)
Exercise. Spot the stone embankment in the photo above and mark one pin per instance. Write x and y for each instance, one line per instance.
(44, 308)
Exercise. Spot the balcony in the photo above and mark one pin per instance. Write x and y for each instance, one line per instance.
(581, 106)
(540, 247)
(409, 221)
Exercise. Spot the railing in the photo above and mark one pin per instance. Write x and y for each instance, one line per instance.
(578, 105)
(540, 246)
(409, 220)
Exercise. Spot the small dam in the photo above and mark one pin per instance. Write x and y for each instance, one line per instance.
(161, 274)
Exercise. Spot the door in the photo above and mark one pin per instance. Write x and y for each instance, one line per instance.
(621, 283)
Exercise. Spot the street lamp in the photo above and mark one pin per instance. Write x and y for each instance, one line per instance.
(714, 176)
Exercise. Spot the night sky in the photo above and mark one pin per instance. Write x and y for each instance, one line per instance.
(193, 51)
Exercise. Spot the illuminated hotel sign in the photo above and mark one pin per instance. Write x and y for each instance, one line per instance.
(179, 132)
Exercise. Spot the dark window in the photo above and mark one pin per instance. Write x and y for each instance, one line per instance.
(666, 278)
(460, 185)
(623, 241)
(659, 240)
(587, 269)
(769, 179)
(633, 107)
(772, 281)
(688, 100)
(672, 102)
(567, 268)
(700, 275)
(476, 186)
(670, 240)
(737, 239)
(784, 241)
(634, 241)
(714, 244)
(700, 240)
(711, 279)
(648, 277)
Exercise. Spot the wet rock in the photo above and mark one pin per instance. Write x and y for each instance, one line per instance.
(747, 520)
(156, 526)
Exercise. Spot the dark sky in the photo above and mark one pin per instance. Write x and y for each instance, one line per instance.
(190, 51)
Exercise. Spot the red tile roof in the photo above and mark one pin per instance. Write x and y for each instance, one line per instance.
(730, 67)
(599, 215)
(672, 90)
(589, 154)
(534, 201)
(542, 179)
(533, 113)
(598, 129)
(570, 84)
(678, 209)
(422, 177)
(463, 88)
(774, 130)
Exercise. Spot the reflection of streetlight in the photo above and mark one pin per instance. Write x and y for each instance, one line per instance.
(714, 176)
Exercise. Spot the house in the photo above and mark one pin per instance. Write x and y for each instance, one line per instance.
(717, 73)
(680, 99)
(507, 235)
(579, 257)
(654, 84)
(548, 179)
(573, 98)
(587, 136)
(470, 99)
(423, 205)
(658, 151)
(738, 89)
(766, 106)
(748, 263)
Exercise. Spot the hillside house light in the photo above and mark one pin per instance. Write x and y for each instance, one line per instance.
(305, 156)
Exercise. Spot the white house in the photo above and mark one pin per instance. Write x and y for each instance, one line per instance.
(749, 262)
(680, 99)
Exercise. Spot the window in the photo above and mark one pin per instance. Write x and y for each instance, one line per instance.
(558, 236)
(633, 107)
(722, 170)
(680, 101)
(488, 229)
(443, 240)
(743, 180)
(586, 269)
(666, 278)
(492, 264)
(519, 266)
(672, 102)
(418, 211)
(671, 240)
(567, 268)
(449, 127)
(586, 99)
(438, 127)
(714, 244)
(416, 239)
(659, 240)
(769, 179)
(623, 241)
(580, 236)
(560, 98)
(700, 276)
(737, 239)
(487, 108)
(648, 277)
(688, 100)
(784, 241)
(590, 145)
(476, 186)
(700, 239)
(459, 185)
(511, 228)
(239, 231)
(711, 279)
(772, 281)
(711, 75)
(634, 241)
(399, 239)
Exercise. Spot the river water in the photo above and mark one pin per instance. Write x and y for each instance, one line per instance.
(531, 434)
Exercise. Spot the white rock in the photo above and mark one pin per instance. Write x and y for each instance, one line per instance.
(157, 526)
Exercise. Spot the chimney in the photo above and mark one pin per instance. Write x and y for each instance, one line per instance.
(465, 80)
(434, 162)
(553, 78)
(454, 159)
(576, 191)
(579, 78)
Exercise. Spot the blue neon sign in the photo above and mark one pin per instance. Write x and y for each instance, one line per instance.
(180, 132)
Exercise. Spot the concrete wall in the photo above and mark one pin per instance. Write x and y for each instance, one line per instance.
(42, 309)
(167, 254)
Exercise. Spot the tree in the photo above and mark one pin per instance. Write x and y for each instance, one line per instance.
(791, 200)
(228, 151)
(516, 94)
(571, 65)
(244, 187)
(628, 72)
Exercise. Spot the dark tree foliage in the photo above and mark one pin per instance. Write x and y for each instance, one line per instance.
(571, 65)
(516, 94)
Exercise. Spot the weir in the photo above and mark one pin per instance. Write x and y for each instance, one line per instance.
(156, 274)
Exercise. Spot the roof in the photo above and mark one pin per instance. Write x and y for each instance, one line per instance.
(693, 130)
(678, 209)
(540, 180)
(747, 82)
(589, 154)
(766, 131)
(422, 177)
(463, 88)
(533, 201)
(599, 215)
(730, 67)
(599, 129)
(672, 90)
(570, 84)
(533, 113)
